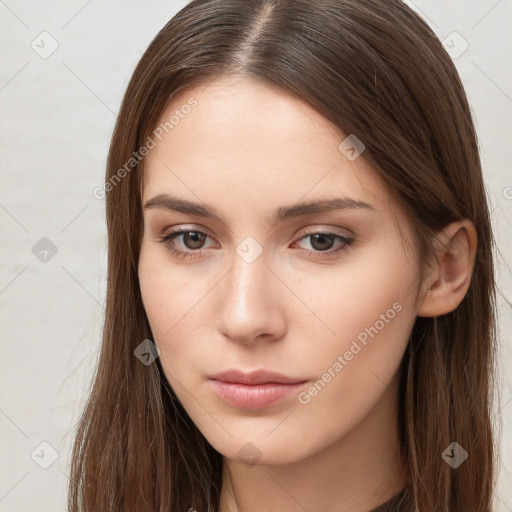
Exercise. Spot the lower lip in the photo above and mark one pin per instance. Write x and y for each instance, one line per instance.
(256, 396)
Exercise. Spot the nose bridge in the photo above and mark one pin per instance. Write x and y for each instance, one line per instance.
(248, 308)
(249, 268)
(248, 281)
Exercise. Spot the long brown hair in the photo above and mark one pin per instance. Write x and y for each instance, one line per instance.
(374, 68)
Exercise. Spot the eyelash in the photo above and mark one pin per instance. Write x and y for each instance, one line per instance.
(168, 241)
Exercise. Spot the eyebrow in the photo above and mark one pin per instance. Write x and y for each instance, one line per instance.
(172, 203)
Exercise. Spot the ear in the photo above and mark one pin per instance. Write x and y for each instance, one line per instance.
(445, 286)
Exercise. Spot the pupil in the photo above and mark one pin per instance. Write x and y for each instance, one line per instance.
(197, 239)
(321, 237)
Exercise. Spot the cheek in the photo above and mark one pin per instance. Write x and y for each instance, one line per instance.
(367, 310)
(356, 301)
(351, 297)
(163, 292)
(173, 299)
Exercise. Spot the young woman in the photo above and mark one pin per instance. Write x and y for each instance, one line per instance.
(300, 306)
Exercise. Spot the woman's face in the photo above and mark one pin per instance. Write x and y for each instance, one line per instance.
(262, 279)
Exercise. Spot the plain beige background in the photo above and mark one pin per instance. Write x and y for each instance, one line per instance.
(64, 68)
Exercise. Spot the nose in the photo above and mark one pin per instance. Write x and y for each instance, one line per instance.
(250, 305)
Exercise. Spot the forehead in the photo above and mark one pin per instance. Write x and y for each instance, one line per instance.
(249, 143)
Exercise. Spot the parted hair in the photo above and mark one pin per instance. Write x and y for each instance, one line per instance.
(374, 68)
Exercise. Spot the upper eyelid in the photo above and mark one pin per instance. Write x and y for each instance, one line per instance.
(327, 230)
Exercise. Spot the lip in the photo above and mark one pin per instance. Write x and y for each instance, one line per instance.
(255, 377)
(254, 390)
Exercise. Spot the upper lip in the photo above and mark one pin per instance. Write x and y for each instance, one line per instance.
(255, 377)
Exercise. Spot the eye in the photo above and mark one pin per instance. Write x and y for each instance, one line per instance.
(193, 240)
(322, 243)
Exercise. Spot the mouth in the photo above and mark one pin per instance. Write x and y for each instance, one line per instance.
(254, 390)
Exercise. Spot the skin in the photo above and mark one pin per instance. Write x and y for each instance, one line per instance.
(247, 149)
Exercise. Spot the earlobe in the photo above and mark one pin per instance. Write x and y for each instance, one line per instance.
(446, 285)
